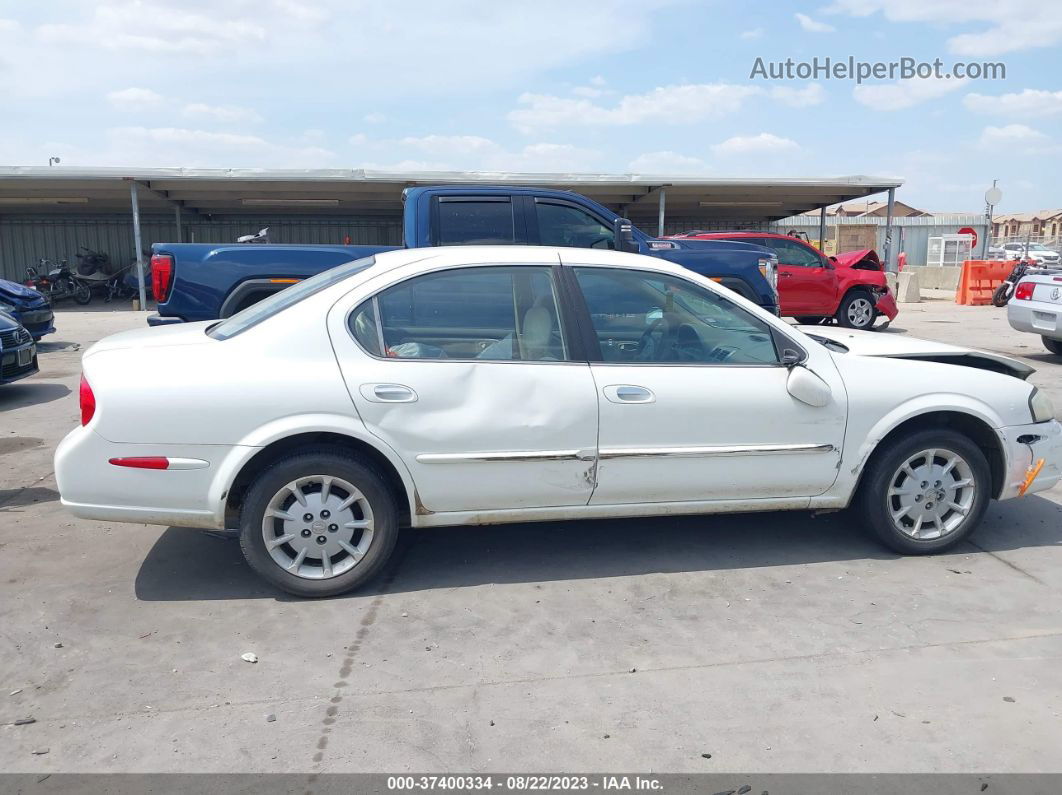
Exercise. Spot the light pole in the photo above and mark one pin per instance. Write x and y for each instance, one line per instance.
(53, 161)
(993, 196)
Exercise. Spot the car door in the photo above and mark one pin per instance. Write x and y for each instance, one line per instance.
(470, 376)
(694, 402)
(807, 284)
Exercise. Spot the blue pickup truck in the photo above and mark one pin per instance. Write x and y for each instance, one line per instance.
(199, 281)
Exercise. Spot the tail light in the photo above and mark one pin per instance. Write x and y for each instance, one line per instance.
(1024, 291)
(88, 401)
(161, 276)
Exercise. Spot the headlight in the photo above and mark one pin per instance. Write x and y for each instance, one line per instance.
(6, 307)
(1041, 407)
(769, 269)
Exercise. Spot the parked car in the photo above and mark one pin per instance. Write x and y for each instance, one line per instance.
(1035, 251)
(18, 353)
(28, 307)
(849, 288)
(206, 281)
(482, 385)
(1036, 308)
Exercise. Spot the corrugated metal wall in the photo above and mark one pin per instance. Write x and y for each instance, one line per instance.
(25, 239)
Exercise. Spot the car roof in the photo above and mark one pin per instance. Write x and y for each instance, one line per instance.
(446, 256)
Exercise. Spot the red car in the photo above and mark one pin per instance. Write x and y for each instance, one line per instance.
(814, 288)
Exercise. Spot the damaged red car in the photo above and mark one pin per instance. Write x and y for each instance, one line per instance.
(849, 288)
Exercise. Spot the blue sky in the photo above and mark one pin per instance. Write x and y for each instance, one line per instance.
(646, 86)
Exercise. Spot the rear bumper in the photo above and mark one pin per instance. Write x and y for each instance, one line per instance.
(1036, 317)
(1039, 440)
(160, 320)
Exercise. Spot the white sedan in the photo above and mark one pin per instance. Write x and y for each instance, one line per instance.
(1036, 308)
(458, 386)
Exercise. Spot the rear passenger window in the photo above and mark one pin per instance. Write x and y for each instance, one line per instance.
(469, 223)
(499, 313)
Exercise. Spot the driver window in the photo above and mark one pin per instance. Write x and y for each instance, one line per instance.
(790, 253)
(656, 318)
(565, 225)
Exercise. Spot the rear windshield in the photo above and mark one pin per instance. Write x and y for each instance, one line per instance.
(278, 302)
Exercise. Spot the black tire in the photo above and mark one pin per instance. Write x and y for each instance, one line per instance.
(848, 302)
(1055, 346)
(82, 294)
(338, 464)
(809, 320)
(872, 504)
(1001, 295)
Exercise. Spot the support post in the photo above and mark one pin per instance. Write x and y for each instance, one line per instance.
(889, 265)
(660, 214)
(177, 215)
(822, 229)
(136, 242)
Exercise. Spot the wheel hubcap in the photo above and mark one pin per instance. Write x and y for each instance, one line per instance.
(318, 527)
(860, 312)
(931, 494)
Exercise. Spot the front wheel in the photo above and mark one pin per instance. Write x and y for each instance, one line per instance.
(82, 293)
(857, 311)
(1055, 346)
(925, 493)
(318, 524)
(1001, 295)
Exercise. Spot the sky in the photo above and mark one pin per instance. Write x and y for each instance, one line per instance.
(652, 87)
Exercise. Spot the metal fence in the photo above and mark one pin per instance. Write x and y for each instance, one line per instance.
(26, 239)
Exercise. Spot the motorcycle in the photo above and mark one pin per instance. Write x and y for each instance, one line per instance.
(1001, 295)
(55, 281)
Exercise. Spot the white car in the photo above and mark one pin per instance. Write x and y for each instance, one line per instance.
(482, 385)
(1036, 308)
(1034, 251)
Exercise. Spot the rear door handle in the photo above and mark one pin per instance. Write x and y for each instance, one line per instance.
(388, 393)
(628, 393)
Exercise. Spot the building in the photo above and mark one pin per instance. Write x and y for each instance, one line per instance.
(1039, 225)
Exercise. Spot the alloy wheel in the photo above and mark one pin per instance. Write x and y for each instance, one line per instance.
(931, 494)
(860, 312)
(318, 527)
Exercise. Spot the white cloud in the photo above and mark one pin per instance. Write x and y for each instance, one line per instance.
(812, 25)
(1016, 137)
(1030, 101)
(904, 93)
(443, 145)
(374, 118)
(812, 94)
(9, 25)
(750, 35)
(134, 99)
(666, 162)
(470, 153)
(178, 146)
(1008, 25)
(764, 143)
(302, 12)
(221, 113)
(679, 104)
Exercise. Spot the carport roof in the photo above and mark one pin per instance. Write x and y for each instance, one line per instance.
(66, 190)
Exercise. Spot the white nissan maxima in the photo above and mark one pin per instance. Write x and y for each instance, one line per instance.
(472, 385)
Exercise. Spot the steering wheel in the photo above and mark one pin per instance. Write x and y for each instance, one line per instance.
(687, 346)
(654, 350)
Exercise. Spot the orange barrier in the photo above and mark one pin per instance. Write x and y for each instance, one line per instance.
(979, 279)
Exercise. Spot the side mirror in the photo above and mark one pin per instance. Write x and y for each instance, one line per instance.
(623, 232)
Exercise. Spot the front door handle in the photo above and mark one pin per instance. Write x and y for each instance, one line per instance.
(628, 393)
(388, 393)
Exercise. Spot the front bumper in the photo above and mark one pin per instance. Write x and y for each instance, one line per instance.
(38, 321)
(886, 305)
(16, 363)
(1023, 446)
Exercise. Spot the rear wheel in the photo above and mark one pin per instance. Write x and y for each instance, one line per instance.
(926, 492)
(1055, 346)
(82, 293)
(318, 524)
(1001, 294)
(856, 310)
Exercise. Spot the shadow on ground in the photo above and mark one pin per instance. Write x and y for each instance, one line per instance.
(193, 565)
(27, 393)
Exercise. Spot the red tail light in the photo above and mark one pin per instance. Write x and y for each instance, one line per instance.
(1024, 291)
(88, 401)
(161, 276)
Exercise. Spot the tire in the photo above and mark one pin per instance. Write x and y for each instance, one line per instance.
(82, 293)
(876, 504)
(857, 310)
(374, 512)
(810, 320)
(1001, 295)
(1055, 346)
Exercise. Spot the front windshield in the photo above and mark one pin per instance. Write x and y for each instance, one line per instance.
(279, 301)
(1036, 247)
